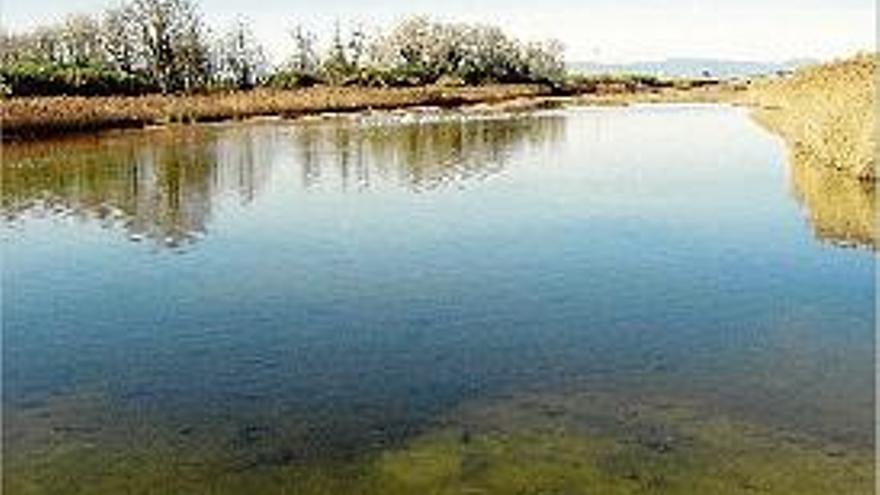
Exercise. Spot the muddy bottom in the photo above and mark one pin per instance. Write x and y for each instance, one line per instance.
(530, 443)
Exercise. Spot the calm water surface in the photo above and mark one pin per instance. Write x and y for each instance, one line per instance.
(262, 295)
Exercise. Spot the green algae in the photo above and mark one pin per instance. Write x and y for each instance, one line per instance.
(570, 464)
(538, 443)
(645, 448)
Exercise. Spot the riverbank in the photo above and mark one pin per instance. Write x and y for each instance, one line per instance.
(826, 116)
(825, 113)
(29, 118)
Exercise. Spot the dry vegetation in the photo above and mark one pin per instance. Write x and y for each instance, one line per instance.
(36, 117)
(827, 116)
(715, 93)
(825, 113)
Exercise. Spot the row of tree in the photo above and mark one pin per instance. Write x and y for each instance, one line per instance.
(165, 46)
(144, 46)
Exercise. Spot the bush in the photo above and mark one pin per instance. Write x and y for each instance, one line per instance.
(39, 79)
(293, 80)
(616, 83)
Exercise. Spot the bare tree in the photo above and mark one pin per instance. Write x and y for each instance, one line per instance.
(145, 45)
(122, 40)
(13, 47)
(239, 58)
(358, 43)
(545, 61)
(304, 59)
(45, 45)
(81, 40)
(337, 66)
(192, 56)
(173, 37)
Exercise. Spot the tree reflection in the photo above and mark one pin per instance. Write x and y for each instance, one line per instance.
(426, 154)
(158, 186)
(165, 185)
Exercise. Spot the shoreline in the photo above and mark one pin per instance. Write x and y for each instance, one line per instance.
(816, 134)
(824, 113)
(28, 119)
(34, 118)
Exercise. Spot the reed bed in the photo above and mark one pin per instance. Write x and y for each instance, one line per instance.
(825, 113)
(24, 118)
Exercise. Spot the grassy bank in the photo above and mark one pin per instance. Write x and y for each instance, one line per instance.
(42, 116)
(825, 113)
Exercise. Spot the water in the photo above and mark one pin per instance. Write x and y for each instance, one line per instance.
(249, 302)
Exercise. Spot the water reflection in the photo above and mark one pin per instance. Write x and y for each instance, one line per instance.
(420, 153)
(361, 304)
(164, 185)
(841, 209)
(160, 186)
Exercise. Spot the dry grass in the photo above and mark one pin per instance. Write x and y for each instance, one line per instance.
(26, 118)
(37, 117)
(716, 93)
(825, 113)
(827, 116)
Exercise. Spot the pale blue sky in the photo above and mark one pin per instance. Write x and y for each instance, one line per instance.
(601, 30)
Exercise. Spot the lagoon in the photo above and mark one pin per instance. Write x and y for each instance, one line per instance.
(627, 299)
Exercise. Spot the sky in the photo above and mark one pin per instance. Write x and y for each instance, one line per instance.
(592, 30)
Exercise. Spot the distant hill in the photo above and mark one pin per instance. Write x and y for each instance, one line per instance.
(691, 67)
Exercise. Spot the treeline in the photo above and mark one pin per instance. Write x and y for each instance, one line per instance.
(164, 46)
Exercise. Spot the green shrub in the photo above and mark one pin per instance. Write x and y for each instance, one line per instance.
(616, 83)
(290, 79)
(39, 79)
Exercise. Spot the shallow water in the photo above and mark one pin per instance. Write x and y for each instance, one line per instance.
(252, 304)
